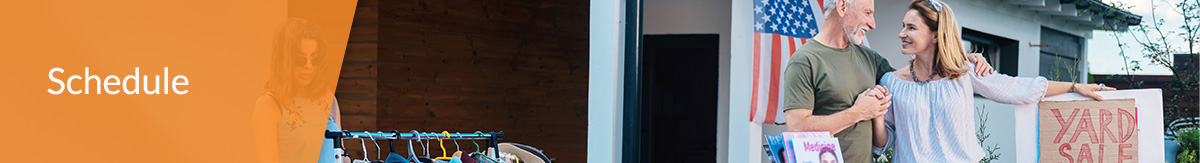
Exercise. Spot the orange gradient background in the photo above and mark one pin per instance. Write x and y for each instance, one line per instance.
(222, 46)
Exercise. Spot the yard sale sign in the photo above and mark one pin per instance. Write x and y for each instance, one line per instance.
(1088, 131)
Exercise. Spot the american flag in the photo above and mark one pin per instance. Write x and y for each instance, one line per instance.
(780, 26)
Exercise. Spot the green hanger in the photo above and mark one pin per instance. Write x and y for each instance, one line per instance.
(476, 144)
(485, 157)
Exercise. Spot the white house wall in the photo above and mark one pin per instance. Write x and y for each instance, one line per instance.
(698, 17)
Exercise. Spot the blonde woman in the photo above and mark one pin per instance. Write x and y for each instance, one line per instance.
(931, 118)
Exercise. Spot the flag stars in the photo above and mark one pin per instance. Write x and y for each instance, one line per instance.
(785, 18)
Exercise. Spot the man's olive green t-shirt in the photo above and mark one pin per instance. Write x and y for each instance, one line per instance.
(826, 80)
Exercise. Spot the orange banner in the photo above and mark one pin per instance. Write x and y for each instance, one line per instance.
(169, 81)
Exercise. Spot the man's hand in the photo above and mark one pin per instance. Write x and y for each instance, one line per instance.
(981, 65)
(872, 103)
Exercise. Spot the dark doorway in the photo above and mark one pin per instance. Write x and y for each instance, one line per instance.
(678, 99)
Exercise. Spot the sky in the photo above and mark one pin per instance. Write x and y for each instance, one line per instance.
(1104, 58)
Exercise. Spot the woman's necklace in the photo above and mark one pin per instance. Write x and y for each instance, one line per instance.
(911, 70)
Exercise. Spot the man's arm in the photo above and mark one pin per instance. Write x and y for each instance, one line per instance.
(869, 104)
(803, 120)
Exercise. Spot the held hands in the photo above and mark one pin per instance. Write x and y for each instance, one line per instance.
(872, 103)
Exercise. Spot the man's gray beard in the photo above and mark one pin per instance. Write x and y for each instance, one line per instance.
(850, 35)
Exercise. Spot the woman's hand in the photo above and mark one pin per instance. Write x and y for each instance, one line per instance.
(1090, 90)
(982, 68)
(872, 103)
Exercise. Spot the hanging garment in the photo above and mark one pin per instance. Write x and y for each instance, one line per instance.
(395, 158)
(482, 158)
(456, 158)
(466, 159)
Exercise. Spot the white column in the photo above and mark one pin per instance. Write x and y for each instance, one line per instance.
(745, 138)
(605, 46)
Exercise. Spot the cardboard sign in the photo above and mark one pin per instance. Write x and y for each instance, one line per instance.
(1088, 131)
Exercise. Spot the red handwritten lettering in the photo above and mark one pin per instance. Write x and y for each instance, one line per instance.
(1085, 126)
(1105, 119)
(1125, 125)
(1062, 150)
(1121, 157)
(1085, 153)
(1065, 124)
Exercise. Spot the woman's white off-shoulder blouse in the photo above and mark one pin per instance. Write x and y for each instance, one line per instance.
(935, 121)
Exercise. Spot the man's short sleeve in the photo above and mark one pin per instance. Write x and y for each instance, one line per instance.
(798, 89)
(881, 63)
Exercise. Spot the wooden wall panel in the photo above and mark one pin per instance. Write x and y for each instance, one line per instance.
(466, 65)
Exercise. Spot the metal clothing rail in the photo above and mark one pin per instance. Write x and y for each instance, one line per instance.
(492, 137)
(411, 135)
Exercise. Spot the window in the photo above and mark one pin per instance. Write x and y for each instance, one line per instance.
(1060, 56)
(1000, 52)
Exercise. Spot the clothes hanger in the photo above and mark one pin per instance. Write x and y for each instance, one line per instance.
(458, 153)
(378, 156)
(443, 145)
(477, 153)
(364, 148)
(427, 147)
(391, 144)
(372, 137)
(456, 149)
(413, 155)
(476, 143)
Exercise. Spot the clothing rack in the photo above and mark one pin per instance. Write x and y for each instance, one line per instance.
(492, 137)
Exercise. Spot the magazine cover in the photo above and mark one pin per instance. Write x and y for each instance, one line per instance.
(789, 154)
(774, 148)
(816, 150)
